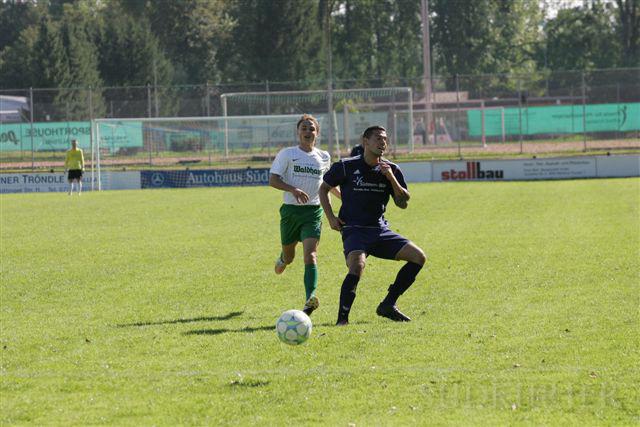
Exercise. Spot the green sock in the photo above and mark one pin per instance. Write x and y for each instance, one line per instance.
(310, 279)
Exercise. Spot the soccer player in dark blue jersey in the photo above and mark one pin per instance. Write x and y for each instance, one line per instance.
(367, 182)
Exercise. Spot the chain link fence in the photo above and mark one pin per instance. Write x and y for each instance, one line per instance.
(467, 116)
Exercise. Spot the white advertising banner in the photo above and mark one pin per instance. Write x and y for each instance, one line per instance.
(57, 182)
(126, 180)
(618, 166)
(520, 169)
(416, 171)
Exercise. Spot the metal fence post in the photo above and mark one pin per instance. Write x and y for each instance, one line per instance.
(484, 130)
(457, 81)
(148, 100)
(223, 98)
(33, 160)
(346, 137)
(410, 100)
(504, 138)
(619, 133)
(520, 112)
(91, 141)
(584, 112)
(266, 87)
(330, 115)
(207, 99)
(149, 115)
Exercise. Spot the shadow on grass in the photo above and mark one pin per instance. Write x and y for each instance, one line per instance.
(248, 383)
(175, 321)
(332, 324)
(247, 329)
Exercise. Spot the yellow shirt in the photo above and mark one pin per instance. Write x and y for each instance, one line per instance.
(74, 159)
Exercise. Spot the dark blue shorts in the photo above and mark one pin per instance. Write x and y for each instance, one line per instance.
(379, 242)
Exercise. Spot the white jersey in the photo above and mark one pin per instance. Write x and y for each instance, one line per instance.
(302, 170)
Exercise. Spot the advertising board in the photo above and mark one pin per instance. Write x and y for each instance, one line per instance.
(204, 178)
(57, 182)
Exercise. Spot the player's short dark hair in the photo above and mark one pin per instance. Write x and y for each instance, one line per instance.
(368, 131)
(310, 118)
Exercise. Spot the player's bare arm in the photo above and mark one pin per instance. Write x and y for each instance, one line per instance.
(401, 195)
(276, 182)
(334, 222)
(336, 192)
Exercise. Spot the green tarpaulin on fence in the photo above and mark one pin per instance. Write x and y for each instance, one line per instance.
(556, 119)
(57, 136)
(115, 135)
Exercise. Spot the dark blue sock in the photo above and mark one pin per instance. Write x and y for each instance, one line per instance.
(347, 295)
(405, 278)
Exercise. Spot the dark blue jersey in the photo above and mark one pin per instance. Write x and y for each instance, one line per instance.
(365, 191)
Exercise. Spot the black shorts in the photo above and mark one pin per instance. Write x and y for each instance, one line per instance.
(379, 242)
(74, 174)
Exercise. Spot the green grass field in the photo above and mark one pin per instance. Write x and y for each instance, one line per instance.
(158, 307)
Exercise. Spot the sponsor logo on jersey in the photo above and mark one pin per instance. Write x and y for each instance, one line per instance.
(473, 171)
(307, 169)
(361, 185)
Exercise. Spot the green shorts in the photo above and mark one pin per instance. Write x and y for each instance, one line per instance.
(299, 222)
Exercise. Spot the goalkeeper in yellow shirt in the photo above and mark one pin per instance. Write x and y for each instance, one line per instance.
(74, 166)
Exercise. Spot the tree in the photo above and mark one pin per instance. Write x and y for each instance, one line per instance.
(129, 53)
(628, 29)
(192, 32)
(582, 38)
(518, 36)
(488, 36)
(351, 51)
(77, 36)
(16, 61)
(277, 40)
(54, 43)
(377, 39)
(408, 39)
(462, 34)
(130, 57)
(48, 57)
(16, 17)
(57, 54)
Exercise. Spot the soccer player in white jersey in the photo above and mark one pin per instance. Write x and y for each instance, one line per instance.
(298, 172)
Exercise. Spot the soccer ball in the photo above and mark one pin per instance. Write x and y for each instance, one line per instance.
(293, 327)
